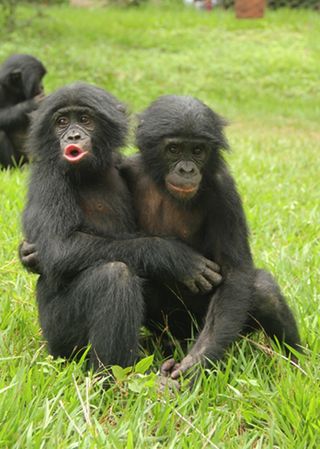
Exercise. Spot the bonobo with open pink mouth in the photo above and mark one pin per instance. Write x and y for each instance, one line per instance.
(74, 153)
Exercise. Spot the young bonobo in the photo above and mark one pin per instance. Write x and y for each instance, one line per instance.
(21, 91)
(79, 216)
(182, 187)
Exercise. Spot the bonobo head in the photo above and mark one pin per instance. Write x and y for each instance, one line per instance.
(180, 139)
(21, 75)
(78, 127)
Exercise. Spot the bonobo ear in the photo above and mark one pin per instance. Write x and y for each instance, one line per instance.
(15, 77)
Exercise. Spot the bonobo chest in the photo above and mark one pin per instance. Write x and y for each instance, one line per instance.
(106, 204)
(159, 214)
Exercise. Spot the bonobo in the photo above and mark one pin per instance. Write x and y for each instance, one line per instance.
(21, 91)
(182, 187)
(79, 216)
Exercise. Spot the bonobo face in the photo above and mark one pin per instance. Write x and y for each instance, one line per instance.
(185, 159)
(74, 127)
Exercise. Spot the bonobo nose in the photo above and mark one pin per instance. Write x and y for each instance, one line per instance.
(74, 136)
(186, 169)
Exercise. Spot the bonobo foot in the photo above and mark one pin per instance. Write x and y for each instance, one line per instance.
(171, 370)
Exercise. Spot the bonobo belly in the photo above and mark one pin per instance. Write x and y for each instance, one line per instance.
(104, 218)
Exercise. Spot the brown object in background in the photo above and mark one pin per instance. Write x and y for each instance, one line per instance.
(249, 9)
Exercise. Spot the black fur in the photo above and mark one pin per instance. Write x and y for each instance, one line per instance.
(80, 218)
(248, 298)
(20, 83)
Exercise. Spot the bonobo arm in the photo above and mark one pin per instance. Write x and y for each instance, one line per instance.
(64, 248)
(164, 259)
(13, 116)
(232, 302)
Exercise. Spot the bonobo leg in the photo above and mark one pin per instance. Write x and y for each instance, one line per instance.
(227, 316)
(102, 306)
(272, 313)
(6, 151)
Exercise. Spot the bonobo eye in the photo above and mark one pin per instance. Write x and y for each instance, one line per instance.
(62, 121)
(197, 151)
(173, 149)
(85, 119)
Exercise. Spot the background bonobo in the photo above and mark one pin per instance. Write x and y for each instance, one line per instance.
(79, 215)
(182, 187)
(21, 91)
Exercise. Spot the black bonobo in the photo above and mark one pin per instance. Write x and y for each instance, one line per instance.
(182, 187)
(21, 91)
(80, 218)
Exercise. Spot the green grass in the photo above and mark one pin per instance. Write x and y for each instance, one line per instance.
(264, 77)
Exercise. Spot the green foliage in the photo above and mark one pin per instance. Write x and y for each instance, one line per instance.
(135, 378)
(45, 2)
(8, 14)
(264, 77)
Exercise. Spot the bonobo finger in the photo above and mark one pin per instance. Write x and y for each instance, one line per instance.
(204, 285)
(182, 367)
(39, 98)
(168, 384)
(27, 248)
(177, 373)
(167, 366)
(212, 277)
(212, 265)
(31, 260)
(191, 285)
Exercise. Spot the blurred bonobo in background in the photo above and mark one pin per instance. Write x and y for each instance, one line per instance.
(21, 92)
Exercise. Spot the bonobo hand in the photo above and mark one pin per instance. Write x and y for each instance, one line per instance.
(29, 256)
(172, 371)
(39, 98)
(171, 368)
(204, 276)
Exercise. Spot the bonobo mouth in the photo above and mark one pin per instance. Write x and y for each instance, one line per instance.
(186, 191)
(73, 153)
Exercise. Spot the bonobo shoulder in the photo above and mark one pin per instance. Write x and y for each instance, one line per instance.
(224, 179)
(117, 160)
(131, 163)
(131, 169)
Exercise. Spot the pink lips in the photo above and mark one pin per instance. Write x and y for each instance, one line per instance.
(187, 190)
(73, 153)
